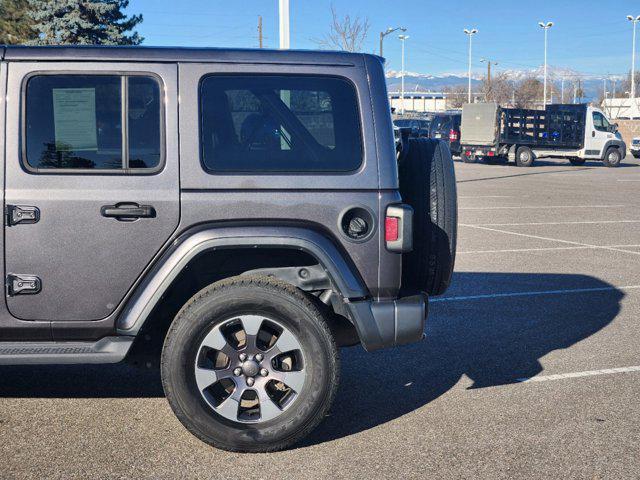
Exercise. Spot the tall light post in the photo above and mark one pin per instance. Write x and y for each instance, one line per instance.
(389, 31)
(470, 33)
(635, 21)
(284, 24)
(545, 26)
(402, 38)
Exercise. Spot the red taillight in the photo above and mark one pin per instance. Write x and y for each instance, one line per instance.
(391, 229)
(491, 154)
(467, 153)
(453, 135)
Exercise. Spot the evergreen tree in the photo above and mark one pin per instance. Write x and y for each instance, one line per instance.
(15, 22)
(83, 22)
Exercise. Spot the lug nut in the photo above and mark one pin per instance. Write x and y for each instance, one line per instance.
(237, 371)
(259, 357)
(243, 357)
(250, 381)
(264, 372)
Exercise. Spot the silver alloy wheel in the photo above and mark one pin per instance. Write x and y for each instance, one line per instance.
(254, 368)
(613, 157)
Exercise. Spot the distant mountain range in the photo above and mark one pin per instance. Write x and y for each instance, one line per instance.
(414, 81)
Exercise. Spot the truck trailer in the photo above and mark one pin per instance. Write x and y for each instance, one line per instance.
(576, 132)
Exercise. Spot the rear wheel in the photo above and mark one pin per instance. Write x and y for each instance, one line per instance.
(469, 159)
(577, 161)
(524, 157)
(249, 364)
(612, 157)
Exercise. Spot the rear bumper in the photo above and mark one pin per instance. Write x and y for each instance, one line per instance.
(390, 323)
(473, 151)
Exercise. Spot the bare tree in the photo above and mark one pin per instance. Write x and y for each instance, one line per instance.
(528, 93)
(345, 33)
(455, 96)
(499, 90)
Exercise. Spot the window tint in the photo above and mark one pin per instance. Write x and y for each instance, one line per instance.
(75, 122)
(279, 124)
(144, 122)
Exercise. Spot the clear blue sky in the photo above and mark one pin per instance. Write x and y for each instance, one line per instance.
(589, 36)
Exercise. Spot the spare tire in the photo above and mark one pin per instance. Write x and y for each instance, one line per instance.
(428, 184)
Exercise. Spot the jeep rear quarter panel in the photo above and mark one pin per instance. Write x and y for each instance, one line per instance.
(316, 200)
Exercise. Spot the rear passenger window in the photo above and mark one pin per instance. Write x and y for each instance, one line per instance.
(266, 124)
(85, 122)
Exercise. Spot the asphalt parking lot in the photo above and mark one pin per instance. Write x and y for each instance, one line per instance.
(530, 367)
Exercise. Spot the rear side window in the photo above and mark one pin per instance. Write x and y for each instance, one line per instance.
(85, 122)
(268, 124)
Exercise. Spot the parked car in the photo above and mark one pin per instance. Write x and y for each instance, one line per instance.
(233, 216)
(417, 127)
(446, 127)
(635, 147)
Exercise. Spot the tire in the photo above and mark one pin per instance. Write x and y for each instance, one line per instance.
(524, 157)
(612, 157)
(577, 161)
(428, 184)
(635, 154)
(191, 359)
(469, 159)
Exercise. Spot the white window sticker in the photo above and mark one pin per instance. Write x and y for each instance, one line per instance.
(74, 112)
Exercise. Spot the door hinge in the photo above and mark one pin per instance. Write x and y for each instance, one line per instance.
(21, 214)
(23, 285)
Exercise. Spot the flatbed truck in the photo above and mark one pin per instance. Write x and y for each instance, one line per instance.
(576, 132)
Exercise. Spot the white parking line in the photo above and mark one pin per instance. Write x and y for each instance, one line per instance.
(545, 249)
(585, 222)
(629, 180)
(588, 373)
(465, 298)
(492, 196)
(540, 207)
(550, 239)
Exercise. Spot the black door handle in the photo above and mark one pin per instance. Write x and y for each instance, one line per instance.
(128, 211)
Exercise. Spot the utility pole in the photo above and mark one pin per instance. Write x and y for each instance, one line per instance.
(562, 89)
(545, 26)
(470, 33)
(387, 32)
(489, 63)
(260, 30)
(579, 89)
(284, 24)
(635, 21)
(402, 38)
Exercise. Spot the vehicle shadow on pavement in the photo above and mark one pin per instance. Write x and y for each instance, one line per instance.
(492, 340)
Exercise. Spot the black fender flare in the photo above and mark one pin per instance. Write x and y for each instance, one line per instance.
(157, 281)
(615, 143)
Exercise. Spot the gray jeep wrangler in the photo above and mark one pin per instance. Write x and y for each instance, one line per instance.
(235, 215)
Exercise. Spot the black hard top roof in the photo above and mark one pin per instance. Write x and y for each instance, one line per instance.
(178, 54)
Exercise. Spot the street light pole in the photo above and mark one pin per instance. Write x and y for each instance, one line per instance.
(402, 39)
(545, 26)
(470, 33)
(285, 43)
(387, 32)
(635, 21)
